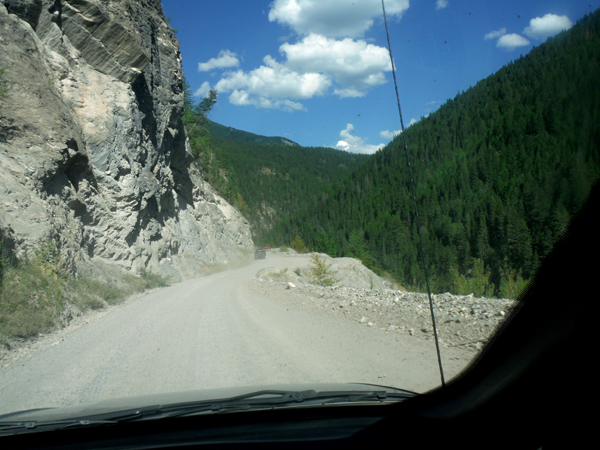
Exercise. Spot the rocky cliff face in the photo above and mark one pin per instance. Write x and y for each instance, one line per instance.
(93, 152)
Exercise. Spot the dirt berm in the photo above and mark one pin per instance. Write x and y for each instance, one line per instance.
(360, 295)
(348, 272)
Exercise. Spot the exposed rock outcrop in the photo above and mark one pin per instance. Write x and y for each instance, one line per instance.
(93, 152)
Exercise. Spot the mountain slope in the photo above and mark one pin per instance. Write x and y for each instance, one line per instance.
(499, 171)
(276, 181)
(223, 132)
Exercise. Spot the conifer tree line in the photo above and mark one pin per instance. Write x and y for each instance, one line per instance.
(276, 181)
(499, 171)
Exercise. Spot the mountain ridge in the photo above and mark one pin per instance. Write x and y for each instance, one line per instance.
(225, 132)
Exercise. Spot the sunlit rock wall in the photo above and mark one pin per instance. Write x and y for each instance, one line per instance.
(93, 153)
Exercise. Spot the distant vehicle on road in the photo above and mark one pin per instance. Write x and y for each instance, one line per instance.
(267, 247)
(259, 254)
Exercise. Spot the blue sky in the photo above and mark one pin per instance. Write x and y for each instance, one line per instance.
(318, 71)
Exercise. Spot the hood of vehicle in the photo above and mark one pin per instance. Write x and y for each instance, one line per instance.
(128, 403)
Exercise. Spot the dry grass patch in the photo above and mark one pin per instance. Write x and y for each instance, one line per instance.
(34, 294)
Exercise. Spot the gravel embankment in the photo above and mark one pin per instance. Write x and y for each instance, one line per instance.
(461, 321)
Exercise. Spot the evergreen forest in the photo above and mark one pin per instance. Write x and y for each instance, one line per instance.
(276, 181)
(266, 178)
(499, 171)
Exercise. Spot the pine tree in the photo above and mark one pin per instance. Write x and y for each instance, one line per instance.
(320, 272)
(298, 245)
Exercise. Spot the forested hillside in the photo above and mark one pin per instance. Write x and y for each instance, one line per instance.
(276, 181)
(266, 178)
(499, 171)
(221, 131)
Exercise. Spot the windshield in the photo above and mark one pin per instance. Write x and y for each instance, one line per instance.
(197, 195)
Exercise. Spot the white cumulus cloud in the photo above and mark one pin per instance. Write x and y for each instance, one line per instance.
(272, 86)
(392, 134)
(355, 144)
(354, 65)
(243, 98)
(224, 60)
(310, 68)
(349, 92)
(328, 58)
(389, 135)
(511, 41)
(203, 90)
(441, 4)
(333, 18)
(495, 34)
(549, 25)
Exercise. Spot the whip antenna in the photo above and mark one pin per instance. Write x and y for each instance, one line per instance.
(412, 186)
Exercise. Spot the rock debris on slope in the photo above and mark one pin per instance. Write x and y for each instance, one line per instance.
(461, 320)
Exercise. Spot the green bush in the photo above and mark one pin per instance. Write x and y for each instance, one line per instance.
(94, 294)
(30, 300)
(511, 283)
(298, 245)
(320, 272)
(477, 282)
(33, 294)
(152, 280)
(85, 293)
(47, 258)
(3, 88)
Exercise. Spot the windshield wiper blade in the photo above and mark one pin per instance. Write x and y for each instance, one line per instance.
(43, 425)
(265, 399)
(272, 399)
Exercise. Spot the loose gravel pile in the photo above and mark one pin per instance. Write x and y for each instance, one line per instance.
(461, 321)
(349, 272)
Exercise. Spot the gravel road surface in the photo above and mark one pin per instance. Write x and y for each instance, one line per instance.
(211, 332)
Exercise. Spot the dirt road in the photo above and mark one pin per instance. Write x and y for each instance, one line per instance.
(216, 331)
